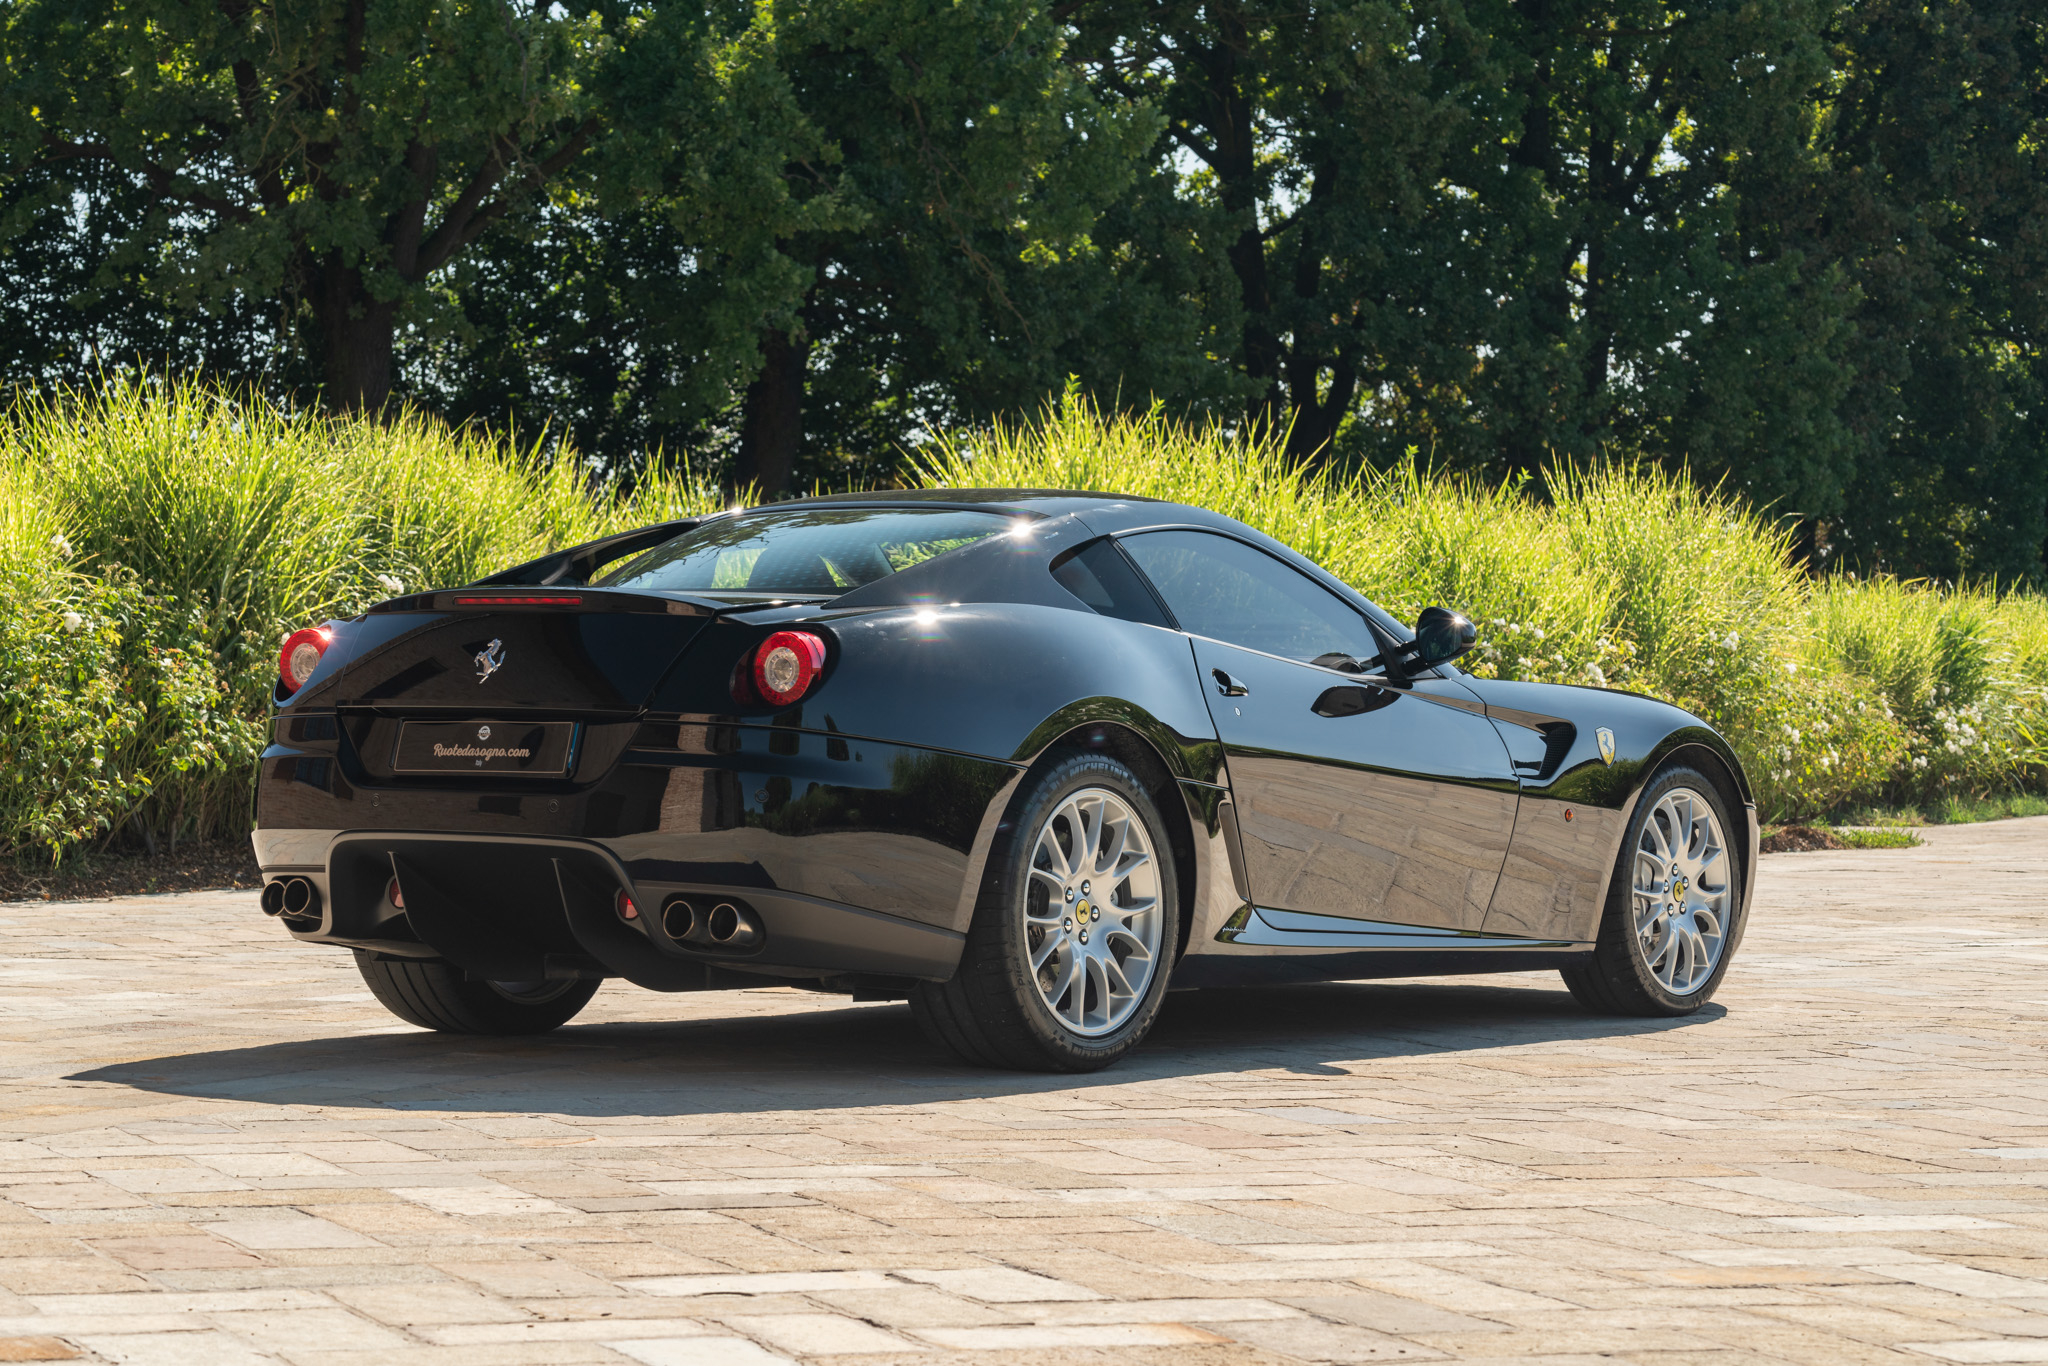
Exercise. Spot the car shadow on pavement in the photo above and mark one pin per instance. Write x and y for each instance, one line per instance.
(865, 1055)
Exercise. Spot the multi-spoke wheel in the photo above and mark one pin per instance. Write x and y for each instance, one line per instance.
(1665, 938)
(1091, 912)
(1067, 957)
(1681, 894)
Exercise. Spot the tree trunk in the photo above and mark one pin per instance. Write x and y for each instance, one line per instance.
(356, 334)
(772, 430)
(1232, 121)
(1809, 545)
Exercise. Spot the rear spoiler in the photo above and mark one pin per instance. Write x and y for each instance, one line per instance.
(572, 568)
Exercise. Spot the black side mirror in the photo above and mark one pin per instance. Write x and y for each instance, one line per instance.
(1441, 636)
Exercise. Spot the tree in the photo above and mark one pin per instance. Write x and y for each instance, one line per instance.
(958, 154)
(1936, 200)
(795, 282)
(73, 306)
(1505, 233)
(335, 155)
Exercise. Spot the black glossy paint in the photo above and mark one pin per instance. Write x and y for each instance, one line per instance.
(1401, 811)
(857, 823)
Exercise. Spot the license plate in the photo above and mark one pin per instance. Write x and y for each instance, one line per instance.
(528, 748)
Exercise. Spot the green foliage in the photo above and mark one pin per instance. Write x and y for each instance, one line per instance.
(1879, 839)
(1794, 248)
(1935, 137)
(1965, 673)
(1507, 234)
(111, 704)
(188, 532)
(158, 539)
(327, 160)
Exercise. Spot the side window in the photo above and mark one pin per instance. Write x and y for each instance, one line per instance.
(1100, 576)
(1228, 591)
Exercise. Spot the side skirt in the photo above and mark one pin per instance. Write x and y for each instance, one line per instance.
(1272, 946)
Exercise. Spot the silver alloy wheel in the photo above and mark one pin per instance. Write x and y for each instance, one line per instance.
(1092, 916)
(1683, 894)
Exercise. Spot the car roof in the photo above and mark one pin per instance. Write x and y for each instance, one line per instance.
(1102, 514)
(1105, 512)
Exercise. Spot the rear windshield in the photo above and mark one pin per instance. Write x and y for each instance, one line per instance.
(804, 552)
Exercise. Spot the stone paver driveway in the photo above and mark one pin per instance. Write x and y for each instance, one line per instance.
(216, 1149)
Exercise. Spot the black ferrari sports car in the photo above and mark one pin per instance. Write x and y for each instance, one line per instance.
(1028, 759)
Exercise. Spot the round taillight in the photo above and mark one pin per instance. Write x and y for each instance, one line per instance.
(395, 896)
(301, 655)
(627, 910)
(785, 665)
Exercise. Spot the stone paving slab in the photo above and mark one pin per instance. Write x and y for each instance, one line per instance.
(216, 1148)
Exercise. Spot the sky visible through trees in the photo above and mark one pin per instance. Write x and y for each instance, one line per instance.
(1797, 245)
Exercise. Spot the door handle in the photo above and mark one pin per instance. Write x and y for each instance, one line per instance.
(1229, 686)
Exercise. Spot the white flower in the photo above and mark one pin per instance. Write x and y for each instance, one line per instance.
(390, 585)
(1793, 731)
(73, 621)
(1593, 672)
(1536, 631)
(60, 545)
(1790, 667)
(1730, 641)
(1514, 628)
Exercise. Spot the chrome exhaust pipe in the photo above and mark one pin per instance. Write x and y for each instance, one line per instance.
(295, 900)
(733, 928)
(681, 922)
(301, 899)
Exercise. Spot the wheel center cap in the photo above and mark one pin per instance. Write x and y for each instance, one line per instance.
(1679, 886)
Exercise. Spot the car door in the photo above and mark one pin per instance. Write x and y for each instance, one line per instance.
(1364, 797)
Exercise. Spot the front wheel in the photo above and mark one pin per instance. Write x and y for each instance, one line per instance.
(1670, 923)
(435, 995)
(1067, 957)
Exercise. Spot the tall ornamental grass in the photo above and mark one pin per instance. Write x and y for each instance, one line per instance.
(161, 538)
(158, 539)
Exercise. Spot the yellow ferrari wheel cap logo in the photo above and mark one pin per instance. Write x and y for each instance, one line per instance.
(1606, 739)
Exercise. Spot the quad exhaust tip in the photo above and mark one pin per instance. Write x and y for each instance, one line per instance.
(295, 900)
(723, 925)
(733, 928)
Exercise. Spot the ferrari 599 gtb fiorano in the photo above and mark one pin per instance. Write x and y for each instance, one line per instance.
(1027, 759)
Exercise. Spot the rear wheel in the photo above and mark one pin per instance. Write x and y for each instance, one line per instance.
(1067, 957)
(435, 995)
(1669, 927)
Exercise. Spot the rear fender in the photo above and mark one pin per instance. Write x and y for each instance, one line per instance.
(999, 681)
(1008, 682)
(1192, 810)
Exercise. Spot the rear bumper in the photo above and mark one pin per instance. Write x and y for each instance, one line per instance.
(514, 908)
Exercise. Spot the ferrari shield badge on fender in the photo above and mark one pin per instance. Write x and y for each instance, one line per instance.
(488, 659)
(1606, 739)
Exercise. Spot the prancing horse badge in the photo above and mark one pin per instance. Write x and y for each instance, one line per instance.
(488, 659)
(1606, 739)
